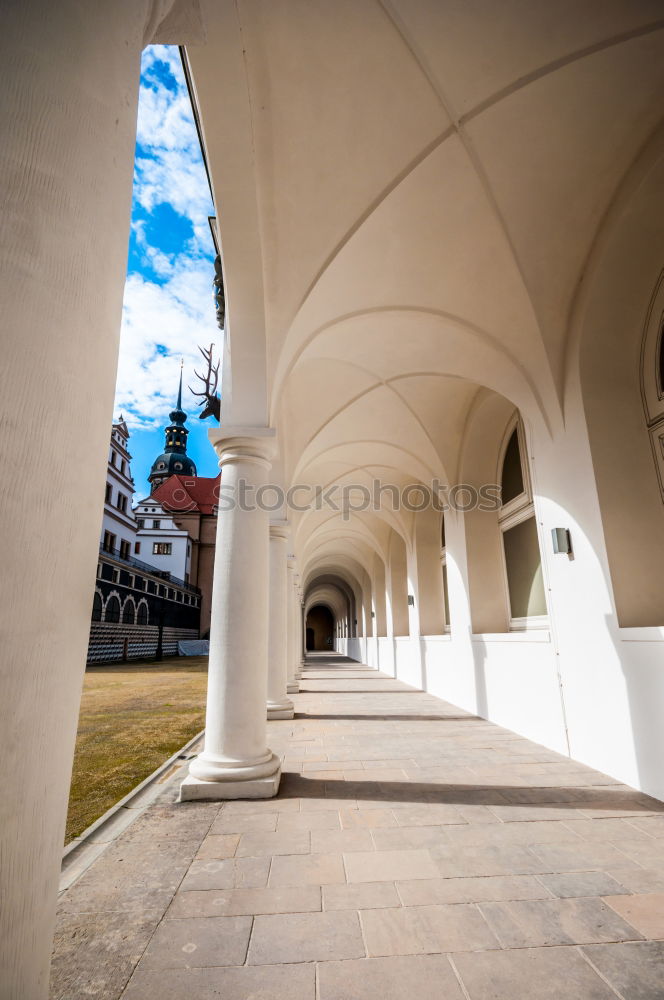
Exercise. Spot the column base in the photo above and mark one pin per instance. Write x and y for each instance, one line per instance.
(213, 776)
(283, 709)
(292, 687)
(197, 790)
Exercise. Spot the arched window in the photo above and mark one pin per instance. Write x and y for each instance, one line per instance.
(511, 480)
(97, 606)
(129, 612)
(652, 378)
(112, 609)
(142, 616)
(521, 551)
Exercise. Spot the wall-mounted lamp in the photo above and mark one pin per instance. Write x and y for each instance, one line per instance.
(562, 541)
(411, 601)
(373, 614)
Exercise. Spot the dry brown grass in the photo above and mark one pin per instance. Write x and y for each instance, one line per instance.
(132, 719)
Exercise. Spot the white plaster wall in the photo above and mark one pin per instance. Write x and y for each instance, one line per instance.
(608, 683)
(585, 679)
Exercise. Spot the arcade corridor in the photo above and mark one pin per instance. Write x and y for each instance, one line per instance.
(413, 850)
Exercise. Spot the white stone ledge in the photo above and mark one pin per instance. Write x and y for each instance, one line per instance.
(646, 633)
(533, 635)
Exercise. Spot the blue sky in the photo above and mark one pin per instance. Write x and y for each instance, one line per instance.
(168, 302)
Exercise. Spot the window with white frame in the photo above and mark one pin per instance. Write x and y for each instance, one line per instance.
(161, 548)
(522, 561)
(443, 569)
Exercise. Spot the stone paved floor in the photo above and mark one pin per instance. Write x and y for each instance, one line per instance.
(414, 851)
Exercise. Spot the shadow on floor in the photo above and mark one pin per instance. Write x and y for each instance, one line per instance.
(558, 797)
(386, 717)
(353, 691)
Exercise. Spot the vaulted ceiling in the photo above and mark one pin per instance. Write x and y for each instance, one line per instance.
(408, 195)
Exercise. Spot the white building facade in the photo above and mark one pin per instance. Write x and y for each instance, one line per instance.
(160, 542)
(119, 524)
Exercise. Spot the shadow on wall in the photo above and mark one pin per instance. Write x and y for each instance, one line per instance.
(481, 696)
(642, 666)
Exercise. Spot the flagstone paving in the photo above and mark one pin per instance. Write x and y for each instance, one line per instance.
(413, 850)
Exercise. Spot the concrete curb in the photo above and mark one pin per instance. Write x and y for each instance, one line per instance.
(86, 848)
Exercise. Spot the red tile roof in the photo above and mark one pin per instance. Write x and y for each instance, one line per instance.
(189, 493)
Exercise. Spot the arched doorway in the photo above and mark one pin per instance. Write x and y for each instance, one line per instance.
(320, 629)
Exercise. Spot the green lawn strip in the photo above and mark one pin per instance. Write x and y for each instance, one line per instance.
(131, 720)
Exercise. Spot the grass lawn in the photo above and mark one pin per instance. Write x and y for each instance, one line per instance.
(132, 719)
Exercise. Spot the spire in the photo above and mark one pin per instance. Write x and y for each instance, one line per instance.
(178, 405)
(178, 416)
(174, 459)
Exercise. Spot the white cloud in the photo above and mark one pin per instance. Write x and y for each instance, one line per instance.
(161, 324)
(171, 168)
(165, 321)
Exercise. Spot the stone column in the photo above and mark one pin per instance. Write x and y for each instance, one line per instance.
(279, 706)
(300, 629)
(236, 763)
(68, 123)
(293, 662)
(297, 627)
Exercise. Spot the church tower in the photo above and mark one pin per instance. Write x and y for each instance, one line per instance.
(174, 460)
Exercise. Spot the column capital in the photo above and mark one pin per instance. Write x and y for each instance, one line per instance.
(236, 444)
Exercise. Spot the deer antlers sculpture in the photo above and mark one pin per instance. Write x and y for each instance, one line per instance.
(209, 395)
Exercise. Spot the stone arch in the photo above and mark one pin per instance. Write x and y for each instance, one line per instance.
(321, 624)
(129, 612)
(97, 606)
(112, 607)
